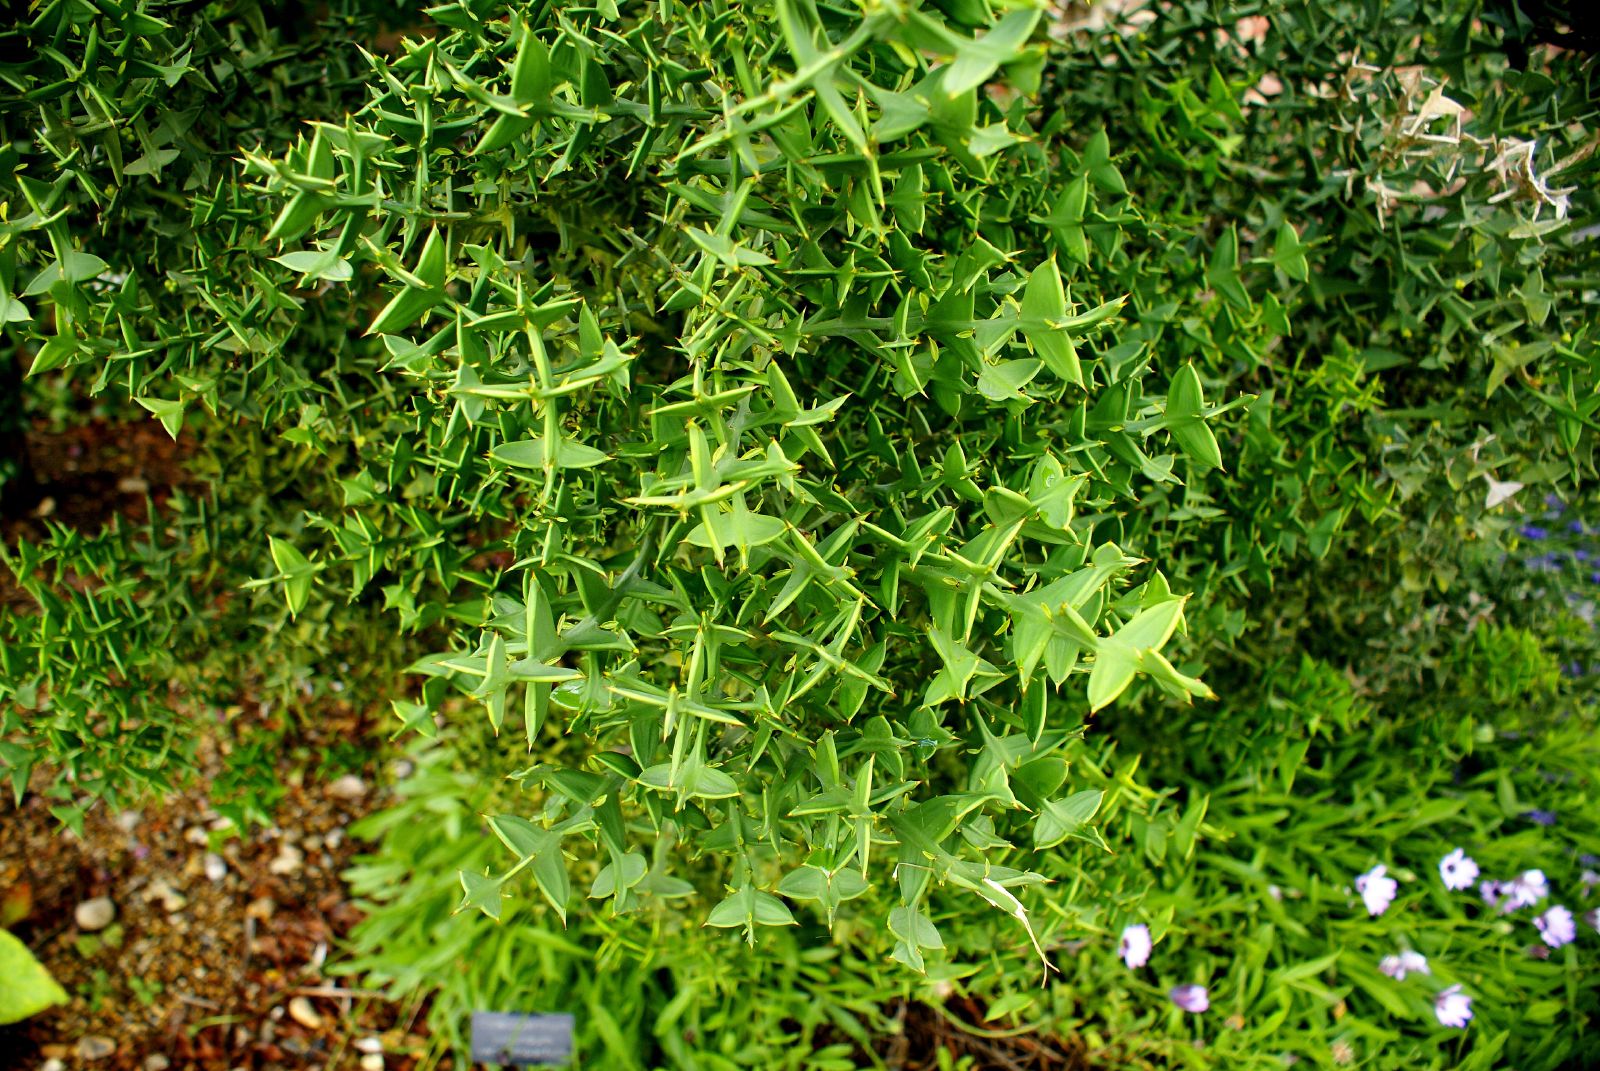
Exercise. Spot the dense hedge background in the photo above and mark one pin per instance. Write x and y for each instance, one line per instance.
(921, 486)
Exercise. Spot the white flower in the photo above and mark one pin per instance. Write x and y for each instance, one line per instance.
(1557, 927)
(1407, 962)
(1134, 948)
(1377, 889)
(1499, 491)
(1526, 889)
(1452, 1007)
(1458, 870)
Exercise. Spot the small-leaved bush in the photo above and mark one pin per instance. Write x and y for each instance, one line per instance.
(923, 487)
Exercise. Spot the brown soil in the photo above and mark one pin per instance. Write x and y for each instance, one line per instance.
(197, 969)
(92, 471)
(86, 477)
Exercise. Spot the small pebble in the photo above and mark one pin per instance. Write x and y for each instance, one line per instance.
(302, 1012)
(156, 1062)
(171, 899)
(127, 821)
(369, 1045)
(261, 909)
(196, 835)
(133, 485)
(348, 787)
(95, 1047)
(53, 1064)
(288, 860)
(215, 868)
(94, 914)
(372, 1062)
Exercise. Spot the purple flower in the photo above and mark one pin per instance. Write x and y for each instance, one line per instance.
(1134, 948)
(1407, 962)
(1191, 998)
(1539, 817)
(1593, 918)
(1492, 891)
(1588, 879)
(1556, 926)
(1532, 531)
(1527, 889)
(1452, 1007)
(1377, 889)
(1458, 870)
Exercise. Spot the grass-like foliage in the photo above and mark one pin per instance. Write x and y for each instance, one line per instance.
(782, 427)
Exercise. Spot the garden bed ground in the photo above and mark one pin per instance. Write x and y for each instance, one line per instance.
(215, 958)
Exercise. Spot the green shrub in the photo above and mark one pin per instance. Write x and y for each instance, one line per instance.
(784, 424)
(595, 297)
(119, 126)
(646, 989)
(1361, 214)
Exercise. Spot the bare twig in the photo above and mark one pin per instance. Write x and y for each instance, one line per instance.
(335, 991)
